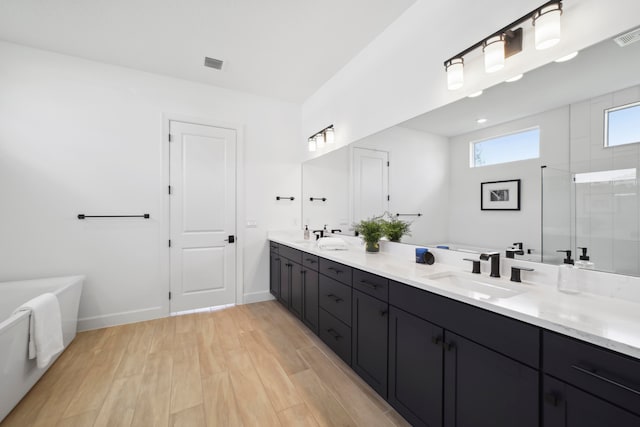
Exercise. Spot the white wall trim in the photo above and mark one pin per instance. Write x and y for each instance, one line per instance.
(258, 297)
(240, 208)
(113, 319)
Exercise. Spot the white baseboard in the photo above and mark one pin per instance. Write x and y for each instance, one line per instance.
(97, 322)
(257, 297)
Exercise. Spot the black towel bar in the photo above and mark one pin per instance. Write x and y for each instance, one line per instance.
(324, 199)
(83, 216)
(282, 197)
(415, 214)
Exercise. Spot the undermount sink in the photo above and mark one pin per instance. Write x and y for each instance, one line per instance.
(477, 287)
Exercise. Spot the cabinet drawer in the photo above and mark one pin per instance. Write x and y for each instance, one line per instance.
(335, 298)
(510, 337)
(273, 246)
(609, 375)
(371, 284)
(336, 271)
(290, 253)
(336, 335)
(310, 261)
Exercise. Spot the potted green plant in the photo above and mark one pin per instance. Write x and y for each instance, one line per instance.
(395, 228)
(371, 231)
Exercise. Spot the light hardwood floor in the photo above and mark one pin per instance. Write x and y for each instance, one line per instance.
(250, 365)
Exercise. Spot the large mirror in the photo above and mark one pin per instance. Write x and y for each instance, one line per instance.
(434, 169)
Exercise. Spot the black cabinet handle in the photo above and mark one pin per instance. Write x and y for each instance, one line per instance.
(334, 298)
(375, 286)
(334, 334)
(436, 340)
(288, 265)
(335, 270)
(310, 260)
(594, 373)
(552, 399)
(383, 313)
(448, 345)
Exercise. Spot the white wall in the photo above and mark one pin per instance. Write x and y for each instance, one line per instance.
(607, 214)
(500, 229)
(83, 137)
(418, 179)
(401, 75)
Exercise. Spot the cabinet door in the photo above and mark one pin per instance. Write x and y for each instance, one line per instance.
(369, 334)
(485, 388)
(567, 406)
(310, 303)
(415, 368)
(274, 270)
(285, 281)
(295, 303)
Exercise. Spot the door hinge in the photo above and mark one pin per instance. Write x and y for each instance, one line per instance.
(388, 197)
(169, 295)
(387, 163)
(169, 137)
(169, 189)
(169, 242)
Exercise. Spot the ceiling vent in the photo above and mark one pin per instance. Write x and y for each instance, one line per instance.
(628, 38)
(213, 63)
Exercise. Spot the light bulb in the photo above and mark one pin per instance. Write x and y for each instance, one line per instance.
(320, 139)
(547, 26)
(455, 74)
(494, 54)
(329, 136)
(312, 144)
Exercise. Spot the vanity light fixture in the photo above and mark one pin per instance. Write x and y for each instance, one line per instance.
(507, 42)
(318, 139)
(455, 73)
(493, 49)
(567, 57)
(514, 78)
(546, 21)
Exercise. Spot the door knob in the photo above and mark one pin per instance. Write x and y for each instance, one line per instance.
(230, 239)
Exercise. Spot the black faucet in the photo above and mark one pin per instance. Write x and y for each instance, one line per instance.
(517, 249)
(318, 233)
(495, 262)
(568, 259)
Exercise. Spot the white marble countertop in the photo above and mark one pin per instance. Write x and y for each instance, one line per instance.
(603, 321)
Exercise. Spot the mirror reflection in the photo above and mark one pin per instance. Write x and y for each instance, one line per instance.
(438, 162)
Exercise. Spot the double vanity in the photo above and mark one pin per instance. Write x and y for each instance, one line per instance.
(446, 347)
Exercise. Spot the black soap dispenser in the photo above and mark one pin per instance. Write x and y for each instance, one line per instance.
(568, 259)
(584, 262)
(306, 232)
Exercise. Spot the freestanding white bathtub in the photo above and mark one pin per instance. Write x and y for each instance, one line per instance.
(17, 373)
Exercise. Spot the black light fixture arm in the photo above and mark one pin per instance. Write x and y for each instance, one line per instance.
(505, 30)
(322, 131)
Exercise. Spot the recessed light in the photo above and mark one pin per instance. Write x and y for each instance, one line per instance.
(567, 57)
(475, 94)
(481, 121)
(514, 78)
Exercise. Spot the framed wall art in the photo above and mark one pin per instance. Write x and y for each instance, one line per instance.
(500, 195)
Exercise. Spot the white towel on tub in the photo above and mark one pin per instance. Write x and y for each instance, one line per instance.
(45, 328)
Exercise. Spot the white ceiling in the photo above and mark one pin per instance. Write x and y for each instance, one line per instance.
(599, 69)
(278, 48)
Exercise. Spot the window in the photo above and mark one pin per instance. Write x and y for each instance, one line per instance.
(622, 125)
(521, 145)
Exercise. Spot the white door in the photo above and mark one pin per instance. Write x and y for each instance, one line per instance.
(202, 178)
(370, 183)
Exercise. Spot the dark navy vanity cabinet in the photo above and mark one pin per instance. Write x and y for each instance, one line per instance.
(441, 362)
